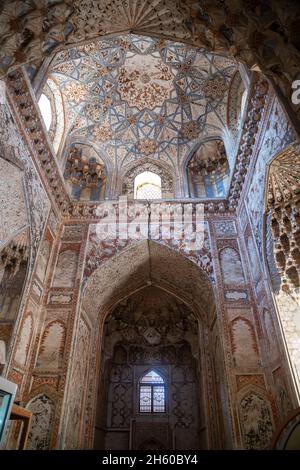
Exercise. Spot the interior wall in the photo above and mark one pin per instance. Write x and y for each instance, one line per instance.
(278, 135)
(85, 436)
(24, 208)
(56, 347)
(245, 360)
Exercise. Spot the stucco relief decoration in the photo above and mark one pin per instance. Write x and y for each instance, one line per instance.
(191, 130)
(167, 182)
(14, 254)
(43, 409)
(214, 159)
(278, 135)
(145, 101)
(142, 327)
(208, 170)
(99, 251)
(139, 333)
(183, 409)
(75, 92)
(201, 257)
(146, 146)
(84, 169)
(251, 125)
(226, 228)
(283, 205)
(214, 88)
(122, 400)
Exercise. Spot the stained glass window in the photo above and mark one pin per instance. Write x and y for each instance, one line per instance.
(152, 398)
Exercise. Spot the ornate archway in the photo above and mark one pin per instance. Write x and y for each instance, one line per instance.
(137, 268)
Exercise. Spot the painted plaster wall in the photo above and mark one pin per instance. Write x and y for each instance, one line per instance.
(279, 133)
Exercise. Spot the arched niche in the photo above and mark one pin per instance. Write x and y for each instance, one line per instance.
(84, 173)
(151, 374)
(162, 170)
(255, 418)
(208, 170)
(134, 269)
(51, 350)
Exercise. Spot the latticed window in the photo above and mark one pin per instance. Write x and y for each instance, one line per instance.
(147, 185)
(152, 393)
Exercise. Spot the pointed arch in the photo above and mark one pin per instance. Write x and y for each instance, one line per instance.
(134, 269)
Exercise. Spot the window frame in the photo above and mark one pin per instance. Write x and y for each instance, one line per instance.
(152, 385)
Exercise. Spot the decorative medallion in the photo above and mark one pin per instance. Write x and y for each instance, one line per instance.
(145, 81)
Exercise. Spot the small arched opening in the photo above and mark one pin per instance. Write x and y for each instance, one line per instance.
(147, 185)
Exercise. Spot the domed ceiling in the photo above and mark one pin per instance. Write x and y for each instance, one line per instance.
(134, 97)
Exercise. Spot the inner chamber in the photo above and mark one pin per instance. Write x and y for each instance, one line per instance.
(149, 388)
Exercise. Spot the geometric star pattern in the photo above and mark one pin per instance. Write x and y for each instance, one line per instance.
(134, 96)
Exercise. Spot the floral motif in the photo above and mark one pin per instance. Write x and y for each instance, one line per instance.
(214, 88)
(146, 146)
(65, 67)
(43, 413)
(141, 96)
(191, 129)
(145, 81)
(75, 92)
(102, 133)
